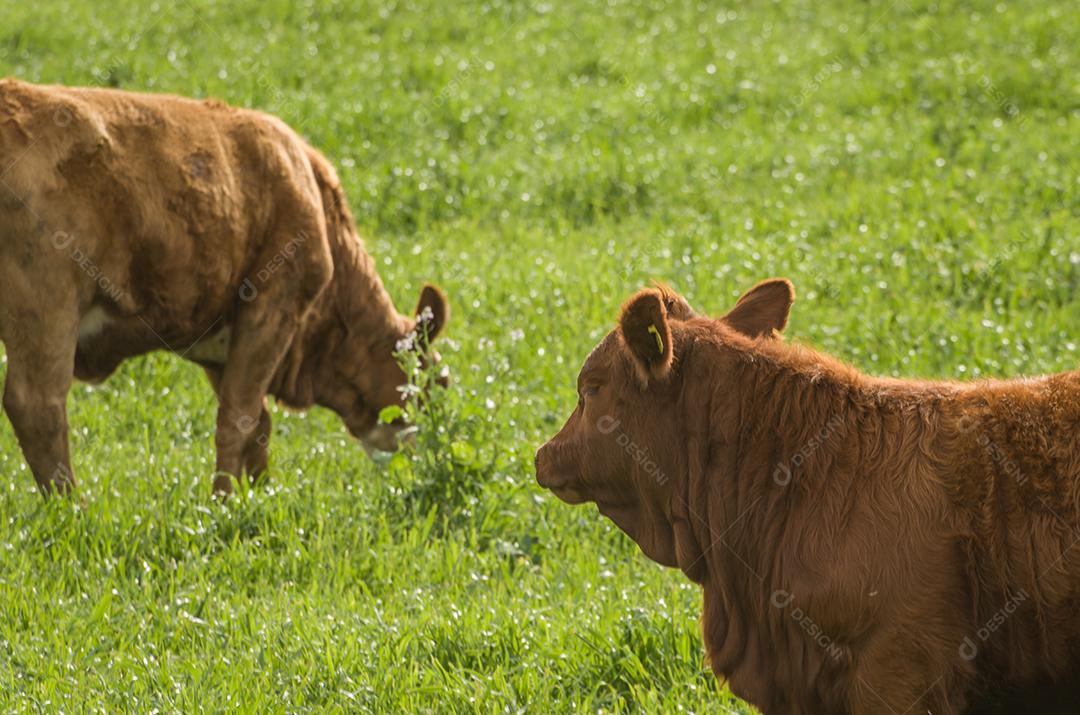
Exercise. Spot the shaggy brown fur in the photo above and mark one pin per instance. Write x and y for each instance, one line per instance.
(131, 223)
(864, 545)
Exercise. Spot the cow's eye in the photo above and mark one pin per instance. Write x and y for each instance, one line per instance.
(591, 390)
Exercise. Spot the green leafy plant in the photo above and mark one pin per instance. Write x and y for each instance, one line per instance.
(452, 452)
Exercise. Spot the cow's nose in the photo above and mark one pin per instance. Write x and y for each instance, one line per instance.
(539, 458)
(546, 476)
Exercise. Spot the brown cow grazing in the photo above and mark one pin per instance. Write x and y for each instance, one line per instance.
(864, 545)
(131, 223)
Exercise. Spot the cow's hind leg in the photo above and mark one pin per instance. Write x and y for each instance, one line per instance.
(40, 368)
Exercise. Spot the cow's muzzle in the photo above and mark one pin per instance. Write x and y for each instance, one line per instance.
(546, 475)
(553, 473)
(387, 438)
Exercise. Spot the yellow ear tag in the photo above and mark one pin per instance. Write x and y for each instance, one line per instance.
(659, 340)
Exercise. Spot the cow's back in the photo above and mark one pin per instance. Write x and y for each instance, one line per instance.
(157, 206)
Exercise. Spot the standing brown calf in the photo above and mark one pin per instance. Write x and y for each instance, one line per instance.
(864, 545)
(131, 223)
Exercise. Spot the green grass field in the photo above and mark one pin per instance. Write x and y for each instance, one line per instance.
(910, 165)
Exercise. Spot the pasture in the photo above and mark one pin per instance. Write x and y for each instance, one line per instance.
(911, 166)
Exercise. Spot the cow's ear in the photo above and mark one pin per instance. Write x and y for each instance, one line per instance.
(763, 310)
(432, 312)
(646, 335)
(676, 306)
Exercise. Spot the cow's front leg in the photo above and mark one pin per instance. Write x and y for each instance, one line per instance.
(268, 316)
(257, 449)
(39, 374)
(253, 359)
(262, 332)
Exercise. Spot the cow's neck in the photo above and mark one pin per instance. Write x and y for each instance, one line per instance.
(771, 425)
(358, 294)
(354, 307)
(766, 411)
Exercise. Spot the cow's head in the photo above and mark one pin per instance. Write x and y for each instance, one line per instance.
(624, 445)
(361, 376)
